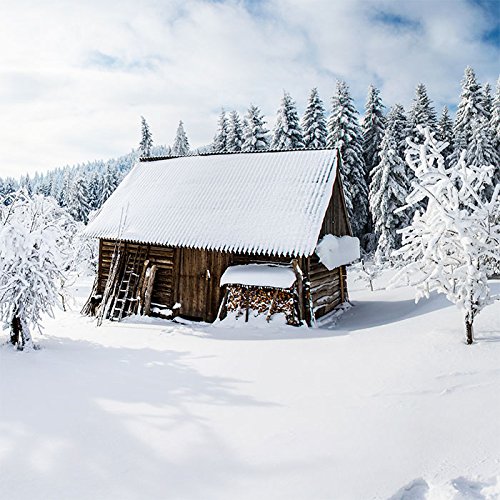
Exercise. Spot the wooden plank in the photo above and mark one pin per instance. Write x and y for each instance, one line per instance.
(321, 311)
(328, 292)
(149, 289)
(324, 285)
(327, 299)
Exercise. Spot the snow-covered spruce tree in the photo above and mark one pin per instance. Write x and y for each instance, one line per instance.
(32, 245)
(495, 130)
(373, 129)
(287, 132)
(110, 181)
(487, 101)
(314, 122)
(255, 135)
(78, 204)
(470, 109)
(446, 247)
(388, 192)
(146, 139)
(481, 149)
(422, 113)
(220, 143)
(445, 132)
(344, 133)
(235, 132)
(181, 143)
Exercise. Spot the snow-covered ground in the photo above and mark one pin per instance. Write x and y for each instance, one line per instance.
(387, 403)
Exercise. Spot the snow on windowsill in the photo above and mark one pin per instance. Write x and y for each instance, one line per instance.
(334, 251)
(259, 275)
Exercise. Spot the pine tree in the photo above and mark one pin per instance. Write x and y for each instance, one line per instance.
(481, 150)
(110, 182)
(287, 133)
(422, 113)
(220, 144)
(398, 121)
(314, 122)
(373, 129)
(235, 132)
(256, 136)
(495, 118)
(78, 200)
(344, 133)
(444, 132)
(487, 101)
(470, 108)
(388, 191)
(146, 140)
(181, 143)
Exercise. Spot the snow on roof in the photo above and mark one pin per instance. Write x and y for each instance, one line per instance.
(259, 275)
(334, 251)
(270, 203)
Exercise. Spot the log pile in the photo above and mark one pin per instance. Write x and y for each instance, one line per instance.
(253, 300)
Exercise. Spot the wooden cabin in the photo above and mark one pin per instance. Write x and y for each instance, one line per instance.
(192, 217)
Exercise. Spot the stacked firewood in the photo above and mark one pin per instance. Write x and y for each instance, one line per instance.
(254, 300)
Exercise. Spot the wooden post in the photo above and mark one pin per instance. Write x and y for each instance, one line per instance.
(342, 284)
(141, 288)
(300, 288)
(223, 306)
(149, 290)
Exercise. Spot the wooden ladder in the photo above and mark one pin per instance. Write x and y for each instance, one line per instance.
(125, 295)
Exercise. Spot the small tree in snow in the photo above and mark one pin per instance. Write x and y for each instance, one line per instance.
(32, 255)
(181, 143)
(447, 246)
(146, 138)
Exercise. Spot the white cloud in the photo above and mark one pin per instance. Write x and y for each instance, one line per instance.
(75, 77)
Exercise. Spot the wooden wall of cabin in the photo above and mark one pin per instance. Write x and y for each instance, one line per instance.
(335, 221)
(182, 277)
(162, 257)
(328, 288)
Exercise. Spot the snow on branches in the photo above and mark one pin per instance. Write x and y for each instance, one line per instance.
(448, 246)
(35, 249)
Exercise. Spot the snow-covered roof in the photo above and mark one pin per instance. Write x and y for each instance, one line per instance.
(334, 251)
(259, 275)
(271, 202)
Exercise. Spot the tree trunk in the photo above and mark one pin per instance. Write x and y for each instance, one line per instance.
(469, 331)
(19, 333)
(15, 330)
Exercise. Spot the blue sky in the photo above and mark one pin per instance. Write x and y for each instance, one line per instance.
(76, 77)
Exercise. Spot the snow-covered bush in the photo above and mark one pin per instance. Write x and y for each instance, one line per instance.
(367, 271)
(446, 247)
(33, 254)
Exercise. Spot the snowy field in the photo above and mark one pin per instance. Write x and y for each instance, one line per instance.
(387, 403)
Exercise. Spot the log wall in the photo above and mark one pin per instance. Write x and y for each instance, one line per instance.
(328, 288)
